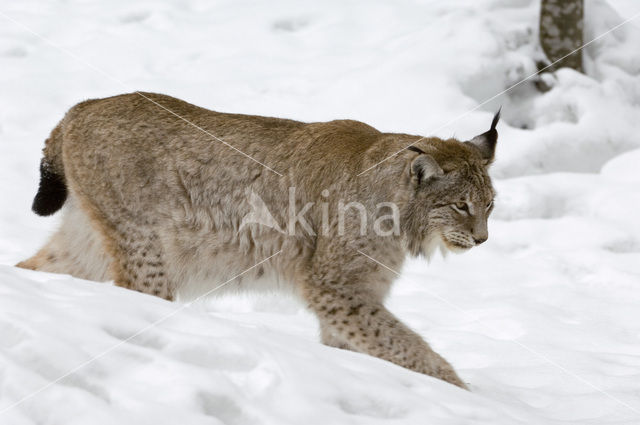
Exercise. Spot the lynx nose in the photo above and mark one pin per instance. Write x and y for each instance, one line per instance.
(479, 230)
(479, 240)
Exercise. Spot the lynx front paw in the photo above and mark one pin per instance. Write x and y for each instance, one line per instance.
(450, 376)
(443, 370)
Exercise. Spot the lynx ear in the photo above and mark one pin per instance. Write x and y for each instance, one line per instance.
(486, 142)
(424, 167)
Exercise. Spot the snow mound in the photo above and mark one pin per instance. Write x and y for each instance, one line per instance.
(188, 366)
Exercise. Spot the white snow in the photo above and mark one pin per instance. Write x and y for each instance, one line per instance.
(543, 321)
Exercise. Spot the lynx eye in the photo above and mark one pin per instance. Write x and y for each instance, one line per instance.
(461, 207)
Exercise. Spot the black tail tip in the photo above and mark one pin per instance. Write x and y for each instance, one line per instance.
(52, 192)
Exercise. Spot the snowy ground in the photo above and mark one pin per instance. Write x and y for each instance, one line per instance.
(543, 320)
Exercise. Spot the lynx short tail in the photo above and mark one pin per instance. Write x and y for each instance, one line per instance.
(52, 192)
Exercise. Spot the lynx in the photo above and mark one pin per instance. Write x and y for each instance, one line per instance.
(156, 193)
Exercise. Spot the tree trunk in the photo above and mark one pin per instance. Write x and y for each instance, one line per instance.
(561, 23)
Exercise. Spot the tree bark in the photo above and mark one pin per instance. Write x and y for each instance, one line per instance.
(561, 23)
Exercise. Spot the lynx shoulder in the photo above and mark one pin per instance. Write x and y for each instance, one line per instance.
(171, 199)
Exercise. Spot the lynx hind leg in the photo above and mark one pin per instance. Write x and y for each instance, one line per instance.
(76, 248)
(137, 258)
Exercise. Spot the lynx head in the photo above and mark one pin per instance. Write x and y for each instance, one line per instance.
(451, 195)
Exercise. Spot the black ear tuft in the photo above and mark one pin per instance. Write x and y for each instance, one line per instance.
(492, 135)
(486, 142)
(496, 118)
